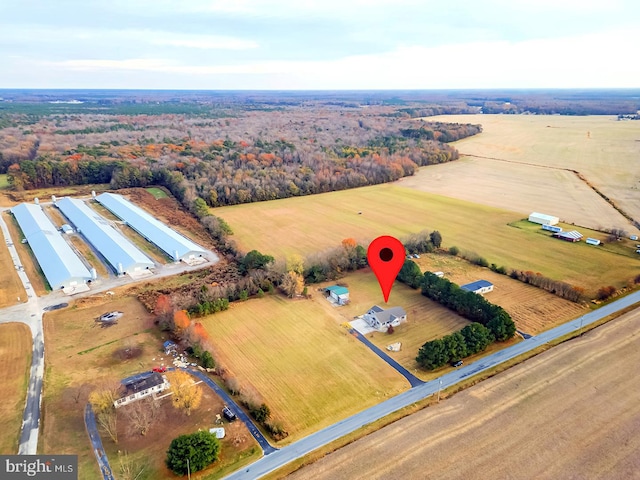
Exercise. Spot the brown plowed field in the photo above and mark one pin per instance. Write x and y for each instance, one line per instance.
(572, 412)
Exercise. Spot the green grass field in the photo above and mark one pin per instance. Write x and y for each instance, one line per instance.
(157, 193)
(306, 225)
(309, 370)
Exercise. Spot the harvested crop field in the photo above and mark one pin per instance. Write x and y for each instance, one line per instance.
(570, 412)
(520, 162)
(300, 361)
(15, 359)
(518, 187)
(533, 310)
(292, 225)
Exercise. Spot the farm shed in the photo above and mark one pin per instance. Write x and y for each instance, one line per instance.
(552, 228)
(479, 287)
(121, 254)
(338, 294)
(379, 318)
(60, 264)
(572, 236)
(592, 241)
(166, 239)
(142, 387)
(543, 219)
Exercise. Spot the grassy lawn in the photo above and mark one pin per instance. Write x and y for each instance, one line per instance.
(15, 360)
(293, 225)
(4, 183)
(157, 193)
(306, 367)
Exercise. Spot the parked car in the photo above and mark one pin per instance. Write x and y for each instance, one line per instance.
(159, 369)
(457, 364)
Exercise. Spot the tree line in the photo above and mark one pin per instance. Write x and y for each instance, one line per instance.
(490, 322)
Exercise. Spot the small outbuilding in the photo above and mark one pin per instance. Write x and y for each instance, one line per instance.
(592, 241)
(479, 287)
(543, 219)
(338, 294)
(572, 236)
(218, 432)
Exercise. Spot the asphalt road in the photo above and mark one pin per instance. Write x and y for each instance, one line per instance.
(316, 440)
(96, 443)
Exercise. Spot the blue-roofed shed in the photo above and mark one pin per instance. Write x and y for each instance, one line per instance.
(479, 287)
(338, 294)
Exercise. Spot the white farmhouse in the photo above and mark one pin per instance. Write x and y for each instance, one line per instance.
(381, 319)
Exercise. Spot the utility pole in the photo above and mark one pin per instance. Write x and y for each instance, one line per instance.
(439, 388)
(188, 469)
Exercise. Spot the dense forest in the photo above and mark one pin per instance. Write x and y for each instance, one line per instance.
(228, 155)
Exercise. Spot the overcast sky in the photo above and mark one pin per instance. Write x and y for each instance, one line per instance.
(319, 44)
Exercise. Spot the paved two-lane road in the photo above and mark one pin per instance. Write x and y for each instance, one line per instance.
(337, 430)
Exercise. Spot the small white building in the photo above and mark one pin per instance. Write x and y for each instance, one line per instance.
(592, 241)
(381, 319)
(142, 387)
(479, 287)
(218, 431)
(543, 219)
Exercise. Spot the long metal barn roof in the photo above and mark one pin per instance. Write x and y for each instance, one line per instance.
(169, 241)
(59, 263)
(121, 254)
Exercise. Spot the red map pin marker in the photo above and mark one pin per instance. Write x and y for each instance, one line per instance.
(386, 257)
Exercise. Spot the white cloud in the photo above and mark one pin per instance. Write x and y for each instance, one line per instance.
(26, 33)
(597, 60)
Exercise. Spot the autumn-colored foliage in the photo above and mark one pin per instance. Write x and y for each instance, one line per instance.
(349, 243)
(181, 320)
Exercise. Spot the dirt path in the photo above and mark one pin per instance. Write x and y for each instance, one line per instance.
(572, 412)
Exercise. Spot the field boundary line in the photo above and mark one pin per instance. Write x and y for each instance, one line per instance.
(579, 175)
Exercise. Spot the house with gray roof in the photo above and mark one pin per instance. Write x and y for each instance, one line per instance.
(381, 319)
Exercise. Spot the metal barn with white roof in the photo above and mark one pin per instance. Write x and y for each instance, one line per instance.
(543, 219)
(59, 263)
(122, 255)
(169, 241)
